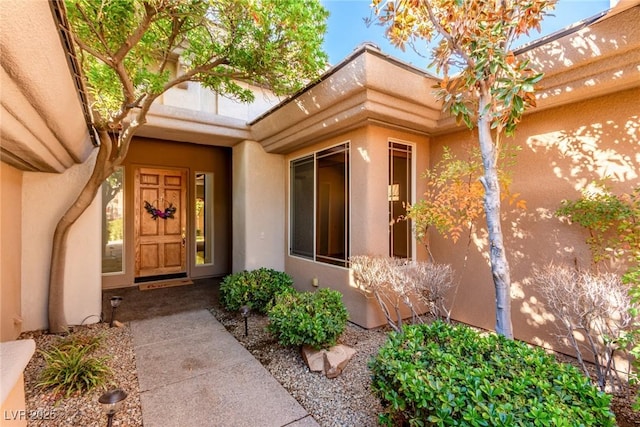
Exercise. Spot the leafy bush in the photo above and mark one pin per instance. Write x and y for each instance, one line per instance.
(256, 288)
(444, 375)
(70, 368)
(316, 318)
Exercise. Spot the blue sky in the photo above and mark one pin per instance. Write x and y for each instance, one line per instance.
(347, 30)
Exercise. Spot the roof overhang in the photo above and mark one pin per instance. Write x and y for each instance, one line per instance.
(367, 87)
(597, 58)
(197, 127)
(43, 126)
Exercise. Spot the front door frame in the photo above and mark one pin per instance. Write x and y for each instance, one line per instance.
(161, 245)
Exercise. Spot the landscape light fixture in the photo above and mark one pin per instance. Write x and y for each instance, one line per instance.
(111, 402)
(244, 311)
(115, 302)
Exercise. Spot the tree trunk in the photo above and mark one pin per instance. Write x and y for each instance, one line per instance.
(497, 255)
(101, 170)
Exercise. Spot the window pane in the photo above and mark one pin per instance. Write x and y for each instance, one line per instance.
(113, 222)
(399, 197)
(301, 197)
(332, 206)
(203, 215)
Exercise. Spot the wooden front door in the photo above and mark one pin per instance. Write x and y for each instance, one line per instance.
(160, 222)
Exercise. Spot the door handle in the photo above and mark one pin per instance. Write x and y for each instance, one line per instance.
(184, 238)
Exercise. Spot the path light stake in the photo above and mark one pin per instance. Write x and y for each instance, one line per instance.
(244, 310)
(111, 402)
(115, 302)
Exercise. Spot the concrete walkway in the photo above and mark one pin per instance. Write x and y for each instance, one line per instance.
(192, 372)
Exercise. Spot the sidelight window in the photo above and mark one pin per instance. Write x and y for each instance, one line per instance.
(113, 222)
(399, 194)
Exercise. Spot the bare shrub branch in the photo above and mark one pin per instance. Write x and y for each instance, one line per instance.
(432, 281)
(399, 285)
(592, 310)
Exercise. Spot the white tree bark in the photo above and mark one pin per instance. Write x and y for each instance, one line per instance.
(497, 255)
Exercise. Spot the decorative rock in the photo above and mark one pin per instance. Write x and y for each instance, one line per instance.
(314, 358)
(336, 359)
(331, 362)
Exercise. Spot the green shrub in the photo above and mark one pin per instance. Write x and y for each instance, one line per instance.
(443, 375)
(70, 368)
(256, 288)
(316, 318)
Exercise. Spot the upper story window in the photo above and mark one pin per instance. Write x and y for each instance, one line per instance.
(319, 203)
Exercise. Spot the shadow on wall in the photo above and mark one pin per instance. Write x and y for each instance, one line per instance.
(564, 149)
(567, 148)
(597, 141)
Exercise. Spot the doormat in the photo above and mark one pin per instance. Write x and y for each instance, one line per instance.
(164, 284)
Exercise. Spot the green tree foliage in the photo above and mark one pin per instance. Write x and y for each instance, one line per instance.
(613, 223)
(452, 202)
(128, 49)
(484, 85)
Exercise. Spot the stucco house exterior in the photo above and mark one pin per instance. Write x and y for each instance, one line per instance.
(297, 184)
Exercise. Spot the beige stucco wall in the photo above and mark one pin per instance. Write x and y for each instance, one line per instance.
(45, 197)
(563, 150)
(10, 249)
(369, 220)
(12, 408)
(43, 126)
(193, 96)
(258, 208)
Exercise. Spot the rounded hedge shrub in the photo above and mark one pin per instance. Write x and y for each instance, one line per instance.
(256, 288)
(443, 375)
(316, 318)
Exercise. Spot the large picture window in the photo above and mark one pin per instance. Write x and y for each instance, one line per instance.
(319, 200)
(302, 207)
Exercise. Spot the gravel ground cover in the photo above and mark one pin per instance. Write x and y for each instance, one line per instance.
(343, 401)
(44, 408)
(346, 400)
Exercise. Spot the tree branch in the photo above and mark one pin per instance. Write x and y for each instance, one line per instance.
(83, 46)
(95, 31)
(128, 89)
(171, 42)
(190, 75)
(447, 36)
(137, 34)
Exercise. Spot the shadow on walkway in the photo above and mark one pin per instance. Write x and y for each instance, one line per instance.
(191, 371)
(139, 305)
